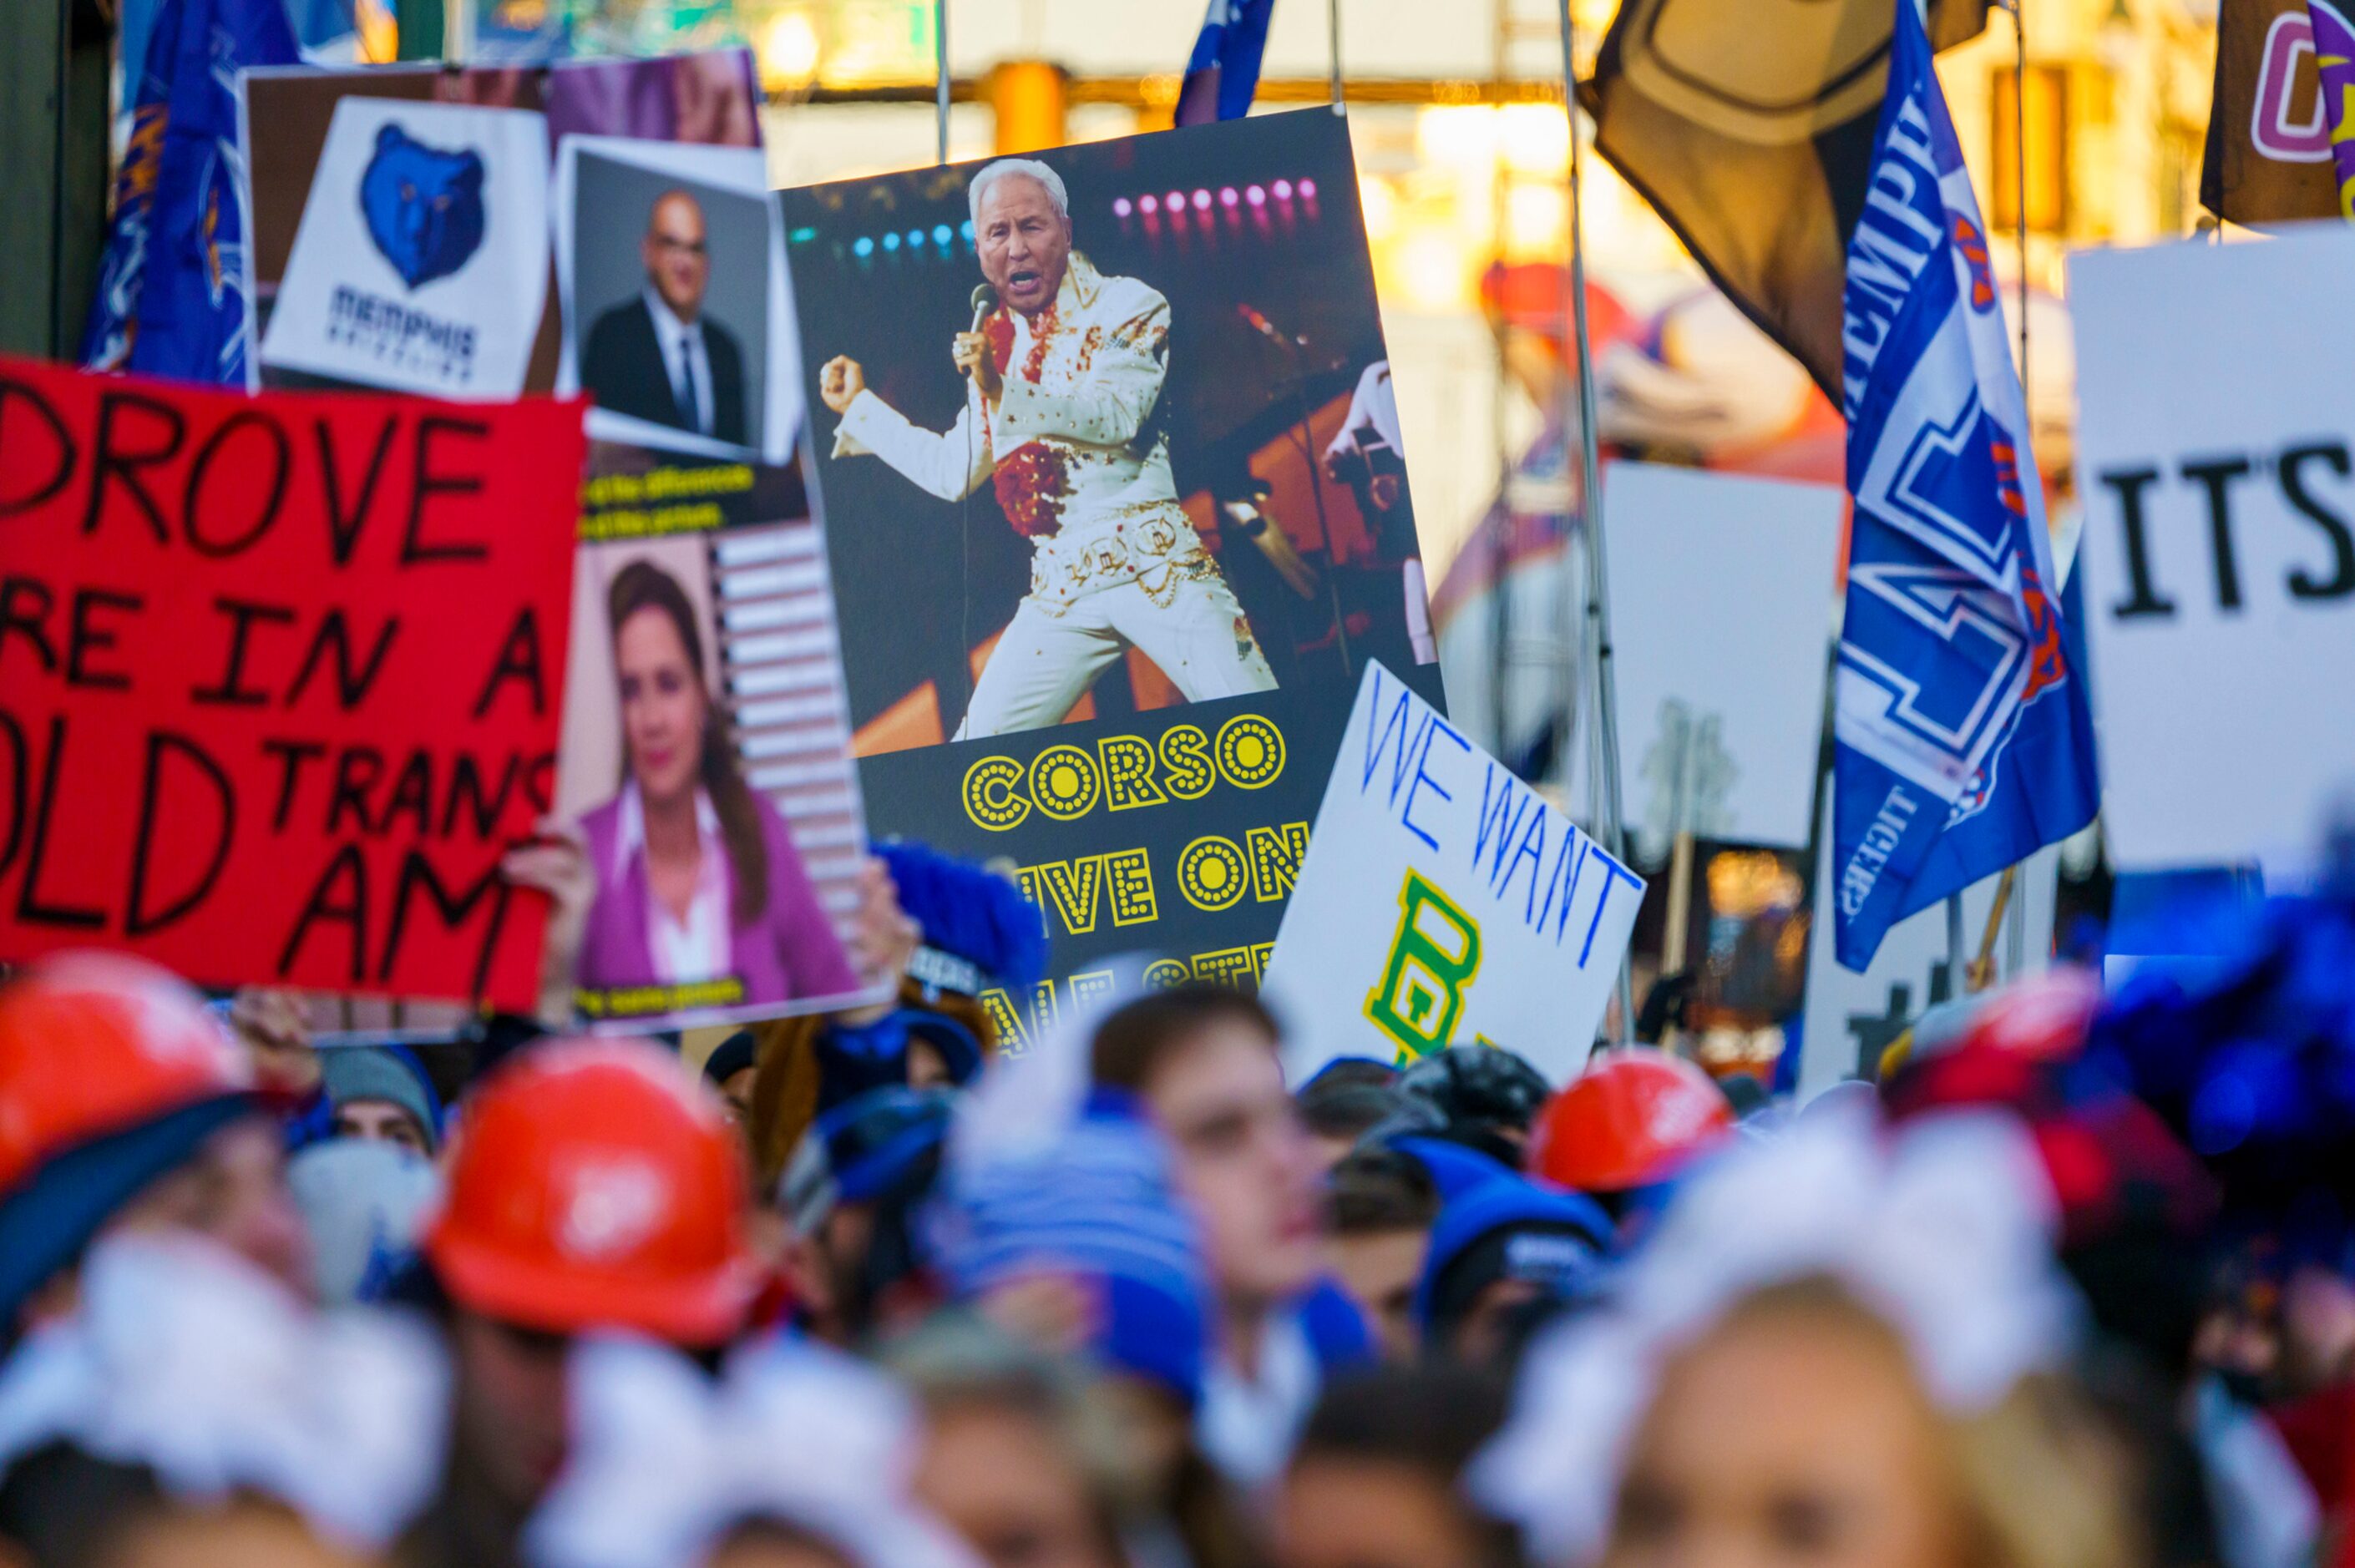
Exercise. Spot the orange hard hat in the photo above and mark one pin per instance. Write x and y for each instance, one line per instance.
(97, 1043)
(1632, 1120)
(594, 1184)
(113, 1074)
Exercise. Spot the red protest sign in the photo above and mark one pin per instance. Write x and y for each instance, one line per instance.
(280, 679)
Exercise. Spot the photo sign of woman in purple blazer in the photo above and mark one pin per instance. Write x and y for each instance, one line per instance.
(698, 881)
(710, 848)
(707, 847)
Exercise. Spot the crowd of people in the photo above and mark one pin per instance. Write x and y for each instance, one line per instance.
(2070, 1287)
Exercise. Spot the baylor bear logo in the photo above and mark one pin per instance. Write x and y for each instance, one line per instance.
(1433, 959)
(423, 206)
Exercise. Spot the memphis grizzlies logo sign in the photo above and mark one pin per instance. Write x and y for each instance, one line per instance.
(423, 206)
(421, 261)
(1963, 740)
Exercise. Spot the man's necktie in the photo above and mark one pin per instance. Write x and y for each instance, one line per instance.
(683, 385)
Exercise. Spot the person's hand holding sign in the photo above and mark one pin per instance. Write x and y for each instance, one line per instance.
(840, 380)
(555, 861)
(971, 352)
(882, 938)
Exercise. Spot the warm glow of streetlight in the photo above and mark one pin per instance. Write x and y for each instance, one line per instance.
(1379, 205)
(789, 49)
(1535, 139)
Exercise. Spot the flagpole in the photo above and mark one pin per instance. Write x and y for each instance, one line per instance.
(2019, 906)
(1333, 44)
(1981, 974)
(1957, 971)
(2019, 171)
(1604, 730)
(941, 79)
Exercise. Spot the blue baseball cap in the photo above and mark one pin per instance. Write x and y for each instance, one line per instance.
(859, 1149)
(1508, 1228)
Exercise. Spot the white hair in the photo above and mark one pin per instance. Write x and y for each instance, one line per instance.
(1049, 180)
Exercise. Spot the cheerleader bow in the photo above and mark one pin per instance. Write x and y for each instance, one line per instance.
(667, 1460)
(182, 1358)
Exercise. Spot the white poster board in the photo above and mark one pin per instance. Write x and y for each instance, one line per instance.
(1442, 902)
(1724, 590)
(1850, 1018)
(2216, 466)
(420, 263)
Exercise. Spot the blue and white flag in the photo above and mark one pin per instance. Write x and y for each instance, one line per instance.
(1223, 73)
(171, 285)
(1963, 739)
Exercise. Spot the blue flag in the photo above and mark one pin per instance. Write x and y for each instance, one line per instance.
(171, 283)
(1963, 739)
(1223, 73)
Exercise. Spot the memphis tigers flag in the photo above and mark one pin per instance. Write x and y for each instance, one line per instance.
(1963, 739)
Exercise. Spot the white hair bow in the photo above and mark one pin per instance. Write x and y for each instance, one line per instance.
(1943, 1230)
(667, 1460)
(185, 1360)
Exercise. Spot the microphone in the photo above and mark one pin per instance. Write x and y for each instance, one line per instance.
(985, 300)
(1268, 329)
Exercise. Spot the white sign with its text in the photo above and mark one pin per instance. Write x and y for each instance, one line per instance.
(2216, 462)
(1443, 902)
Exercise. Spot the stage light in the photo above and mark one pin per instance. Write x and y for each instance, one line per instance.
(942, 234)
(915, 237)
(1309, 190)
(1176, 201)
(1148, 204)
(891, 241)
(1255, 195)
(1227, 196)
(1201, 201)
(1282, 189)
(964, 231)
(1122, 206)
(863, 246)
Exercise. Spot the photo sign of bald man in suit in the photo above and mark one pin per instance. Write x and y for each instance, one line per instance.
(658, 357)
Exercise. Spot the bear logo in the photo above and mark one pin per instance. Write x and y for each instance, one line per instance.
(423, 206)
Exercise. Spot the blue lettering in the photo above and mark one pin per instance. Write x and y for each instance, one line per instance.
(1562, 858)
(1397, 724)
(1532, 849)
(1569, 890)
(1611, 869)
(1497, 813)
(1422, 777)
